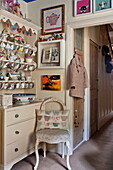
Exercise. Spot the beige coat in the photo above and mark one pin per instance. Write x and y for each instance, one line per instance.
(78, 79)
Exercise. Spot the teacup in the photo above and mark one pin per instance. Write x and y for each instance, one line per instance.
(31, 85)
(17, 85)
(8, 47)
(12, 47)
(22, 66)
(5, 85)
(26, 85)
(25, 68)
(22, 85)
(2, 45)
(5, 65)
(11, 86)
(6, 78)
(31, 67)
(4, 37)
(20, 49)
(16, 66)
(26, 50)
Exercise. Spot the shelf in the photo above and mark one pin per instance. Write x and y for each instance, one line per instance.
(21, 45)
(15, 81)
(24, 63)
(56, 54)
(16, 84)
(5, 15)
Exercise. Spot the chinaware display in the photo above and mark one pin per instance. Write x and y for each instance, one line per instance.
(23, 98)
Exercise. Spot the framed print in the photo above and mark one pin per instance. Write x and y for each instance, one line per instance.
(46, 55)
(82, 7)
(55, 57)
(53, 20)
(51, 82)
(100, 5)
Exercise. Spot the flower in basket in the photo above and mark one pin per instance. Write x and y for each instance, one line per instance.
(29, 58)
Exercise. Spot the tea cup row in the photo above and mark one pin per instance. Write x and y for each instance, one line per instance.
(17, 66)
(16, 85)
(17, 47)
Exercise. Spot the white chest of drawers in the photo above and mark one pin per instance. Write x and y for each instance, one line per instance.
(16, 134)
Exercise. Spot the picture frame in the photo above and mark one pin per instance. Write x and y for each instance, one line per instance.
(53, 20)
(46, 55)
(55, 55)
(99, 5)
(82, 7)
(51, 82)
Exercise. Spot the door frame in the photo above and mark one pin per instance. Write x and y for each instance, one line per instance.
(83, 22)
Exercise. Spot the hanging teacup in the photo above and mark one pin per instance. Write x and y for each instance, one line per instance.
(31, 85)
(31, 67)
(26, 50)
(5, 65)
(20, 49)
(12, 47)
(2, 45)
(7, 46)
(4, 37)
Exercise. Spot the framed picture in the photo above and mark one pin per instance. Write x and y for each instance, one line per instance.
(100, 5)
(46, 55)
(55, 57)
(51, 82)
(53, 20)
(82, 7)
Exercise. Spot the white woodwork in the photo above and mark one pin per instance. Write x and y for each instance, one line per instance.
(17, 133)
(5, 15)
(48, 44)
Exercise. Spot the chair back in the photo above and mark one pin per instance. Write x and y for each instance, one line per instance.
(52, 118)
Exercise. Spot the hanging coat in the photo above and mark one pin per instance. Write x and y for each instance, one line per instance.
(78, 79)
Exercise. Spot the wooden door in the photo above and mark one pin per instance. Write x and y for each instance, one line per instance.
(93, 87)
(78, 121)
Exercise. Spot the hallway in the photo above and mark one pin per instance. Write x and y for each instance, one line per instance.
(95, 154)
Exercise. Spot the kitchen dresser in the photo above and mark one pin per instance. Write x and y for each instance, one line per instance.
(17, 125)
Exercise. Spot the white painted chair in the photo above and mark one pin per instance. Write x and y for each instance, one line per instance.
(52, 128)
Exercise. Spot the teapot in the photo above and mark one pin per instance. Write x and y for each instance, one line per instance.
(52, 19)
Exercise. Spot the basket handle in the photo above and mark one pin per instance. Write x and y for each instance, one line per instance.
(51, 99)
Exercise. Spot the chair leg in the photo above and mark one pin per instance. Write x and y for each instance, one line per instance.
(63, 150)
(37, 155)
(44, 149)
(68, 149)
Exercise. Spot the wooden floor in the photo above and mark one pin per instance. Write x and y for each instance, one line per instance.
(95, 154)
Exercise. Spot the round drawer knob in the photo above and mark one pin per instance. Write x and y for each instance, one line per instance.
(16, 116)
(16, 149)
(17, 132)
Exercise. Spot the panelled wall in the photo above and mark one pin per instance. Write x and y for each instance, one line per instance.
(98, 34)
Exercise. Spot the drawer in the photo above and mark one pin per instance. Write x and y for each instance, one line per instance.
(18, 115)
(18, 148)
(19, 131)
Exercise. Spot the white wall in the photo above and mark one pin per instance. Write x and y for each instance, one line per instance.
(23, 8)
(34, 9)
